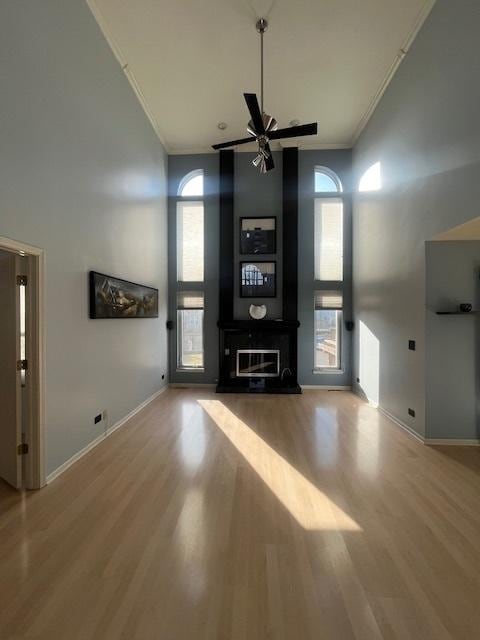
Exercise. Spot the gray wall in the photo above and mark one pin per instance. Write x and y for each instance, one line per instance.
(426, 135)
(83, 176)
(261, 195)
(178, 167)
(453, 342)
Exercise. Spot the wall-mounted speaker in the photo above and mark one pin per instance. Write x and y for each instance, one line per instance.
(170, 324)
(349, 325)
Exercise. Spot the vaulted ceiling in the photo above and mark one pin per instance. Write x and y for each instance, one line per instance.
(325, 60)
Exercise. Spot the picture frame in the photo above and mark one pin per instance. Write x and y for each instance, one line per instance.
(114, 298)
(258, 279)
(258, 235)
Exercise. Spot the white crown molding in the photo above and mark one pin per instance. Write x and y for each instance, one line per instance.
(117, 52)
(403, 51)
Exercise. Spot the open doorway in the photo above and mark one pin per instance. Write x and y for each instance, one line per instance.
(21, 365)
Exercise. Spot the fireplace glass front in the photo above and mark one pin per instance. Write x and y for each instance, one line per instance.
(258, 363)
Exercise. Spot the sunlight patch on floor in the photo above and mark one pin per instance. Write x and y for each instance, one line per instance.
(311, 508)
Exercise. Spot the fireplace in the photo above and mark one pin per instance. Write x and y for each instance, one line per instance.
(258, 363)
(258, 356)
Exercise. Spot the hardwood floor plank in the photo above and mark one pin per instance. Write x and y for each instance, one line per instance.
(234, 517)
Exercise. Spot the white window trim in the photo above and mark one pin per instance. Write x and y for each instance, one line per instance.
(331, 174)
(186, 179)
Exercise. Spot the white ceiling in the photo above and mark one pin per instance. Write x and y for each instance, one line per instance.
(325, 60)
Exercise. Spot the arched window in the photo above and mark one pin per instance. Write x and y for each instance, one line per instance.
(191, 184)
(327, 285)
(326, 181)
(190, 272)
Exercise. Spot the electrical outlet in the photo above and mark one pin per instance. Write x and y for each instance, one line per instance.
(411, 413)
(411, 345)
(97, 418)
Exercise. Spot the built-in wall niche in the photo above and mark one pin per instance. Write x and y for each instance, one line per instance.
(258, 235)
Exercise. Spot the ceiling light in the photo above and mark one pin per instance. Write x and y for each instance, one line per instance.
(222, 126)
(294, 123)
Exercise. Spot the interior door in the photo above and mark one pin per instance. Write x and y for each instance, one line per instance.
(10, 380)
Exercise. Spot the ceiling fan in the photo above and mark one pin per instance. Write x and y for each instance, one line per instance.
(263, 127)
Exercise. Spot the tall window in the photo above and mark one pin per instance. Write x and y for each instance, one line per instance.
(190, 241)
(190, 272)
(328, 275)
(190, 330)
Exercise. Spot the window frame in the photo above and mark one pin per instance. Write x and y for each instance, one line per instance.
(339, 366)
(321, 198)
(329, 285)
(182, 286)
(186, 179)
(333, 176)
(181, 367)
(182, 201)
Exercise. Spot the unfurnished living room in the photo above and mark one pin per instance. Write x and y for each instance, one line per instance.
(239, 320)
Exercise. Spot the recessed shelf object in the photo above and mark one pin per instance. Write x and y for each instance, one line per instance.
(456, 313)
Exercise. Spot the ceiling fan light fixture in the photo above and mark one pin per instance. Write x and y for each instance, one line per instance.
(263, 127)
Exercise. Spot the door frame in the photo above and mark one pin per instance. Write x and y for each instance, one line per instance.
(34, 467)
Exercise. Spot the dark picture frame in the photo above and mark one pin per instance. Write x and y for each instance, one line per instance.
(261, 239)
(113, 298)
(258, 281)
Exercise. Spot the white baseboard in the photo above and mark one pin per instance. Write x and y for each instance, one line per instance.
(401, 424)
(325, 387)
(453, 442)
(191, 385)
(63, 467)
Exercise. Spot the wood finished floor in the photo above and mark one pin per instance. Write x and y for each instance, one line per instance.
(212, 517)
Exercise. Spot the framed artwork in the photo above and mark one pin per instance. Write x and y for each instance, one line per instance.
(258, 235)
(258, 279)
(112, 297)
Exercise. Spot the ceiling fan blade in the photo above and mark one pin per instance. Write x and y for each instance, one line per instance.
(233, 143)
(269, 164)
(294, 132)
(255, 114)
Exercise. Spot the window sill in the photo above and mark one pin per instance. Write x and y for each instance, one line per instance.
(191, 370)
(334, 372)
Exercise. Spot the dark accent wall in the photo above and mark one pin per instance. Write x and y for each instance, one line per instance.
(257, 194)
(262, 195)
(226, 273)
(290, 233)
